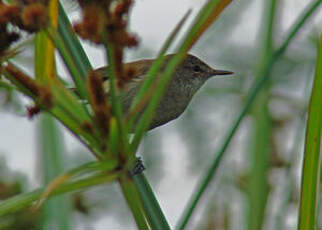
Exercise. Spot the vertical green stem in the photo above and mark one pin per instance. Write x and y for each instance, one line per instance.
(133, 200)
(150, 203)
(260, 157)
(57, 210)
(312, 156)
(261, 132)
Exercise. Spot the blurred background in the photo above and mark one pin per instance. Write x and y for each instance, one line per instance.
(256, 187)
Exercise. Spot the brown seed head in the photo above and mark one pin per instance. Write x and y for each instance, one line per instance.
(96, 89)
(93, 23)
(9, 13)
(102, 111)
(34, 17)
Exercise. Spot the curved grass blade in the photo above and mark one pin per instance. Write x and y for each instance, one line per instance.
(72, 43)
(24, 200)
(69, 62)
(101, 166)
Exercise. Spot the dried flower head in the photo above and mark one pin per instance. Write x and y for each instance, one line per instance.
(93, 23)
(34, 17)
(28, 15)
(9, 13)
(103, 16)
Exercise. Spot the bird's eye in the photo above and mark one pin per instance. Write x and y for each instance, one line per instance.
(197, 68)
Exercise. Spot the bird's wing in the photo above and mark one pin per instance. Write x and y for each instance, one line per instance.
(137, 69)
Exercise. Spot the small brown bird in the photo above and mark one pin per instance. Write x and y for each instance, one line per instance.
(190, 75)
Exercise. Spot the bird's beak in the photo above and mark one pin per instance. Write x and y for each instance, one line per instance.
(221, 72)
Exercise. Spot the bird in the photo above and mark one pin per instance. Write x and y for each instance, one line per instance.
(187, 79)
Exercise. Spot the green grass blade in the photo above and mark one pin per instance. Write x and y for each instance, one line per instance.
(261, 129)
(72, 43)
(40, 47)
(153, 210)
(57, 211)
(288, 187)
(69, 61)
(312, 157)
(88, 168)
(305, 15)
(116, 101)
(25, 200)
(260, 153)
(134, 202)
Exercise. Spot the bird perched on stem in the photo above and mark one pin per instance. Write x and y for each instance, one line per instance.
(189, 76)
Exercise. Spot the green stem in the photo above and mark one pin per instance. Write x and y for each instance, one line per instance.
(312, 158)
(309, 10)
(116, 101)
(69, 61)
(24, 200)
(134, 202)
(57, 211)
(72, 43)
(150, 203)
(261, 129)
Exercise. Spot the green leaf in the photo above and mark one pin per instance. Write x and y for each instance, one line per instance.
(72, 43)
(91, 167)
(24, 200)
(154, 213)
(69, 61)
(134, 202)
(51, 154)
(116, 102)
(259, 148)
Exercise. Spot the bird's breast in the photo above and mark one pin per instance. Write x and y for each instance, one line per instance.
(172, 105)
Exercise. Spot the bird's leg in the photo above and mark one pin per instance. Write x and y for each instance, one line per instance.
(138, 167)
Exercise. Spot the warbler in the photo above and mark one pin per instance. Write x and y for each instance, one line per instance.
(189, 76)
